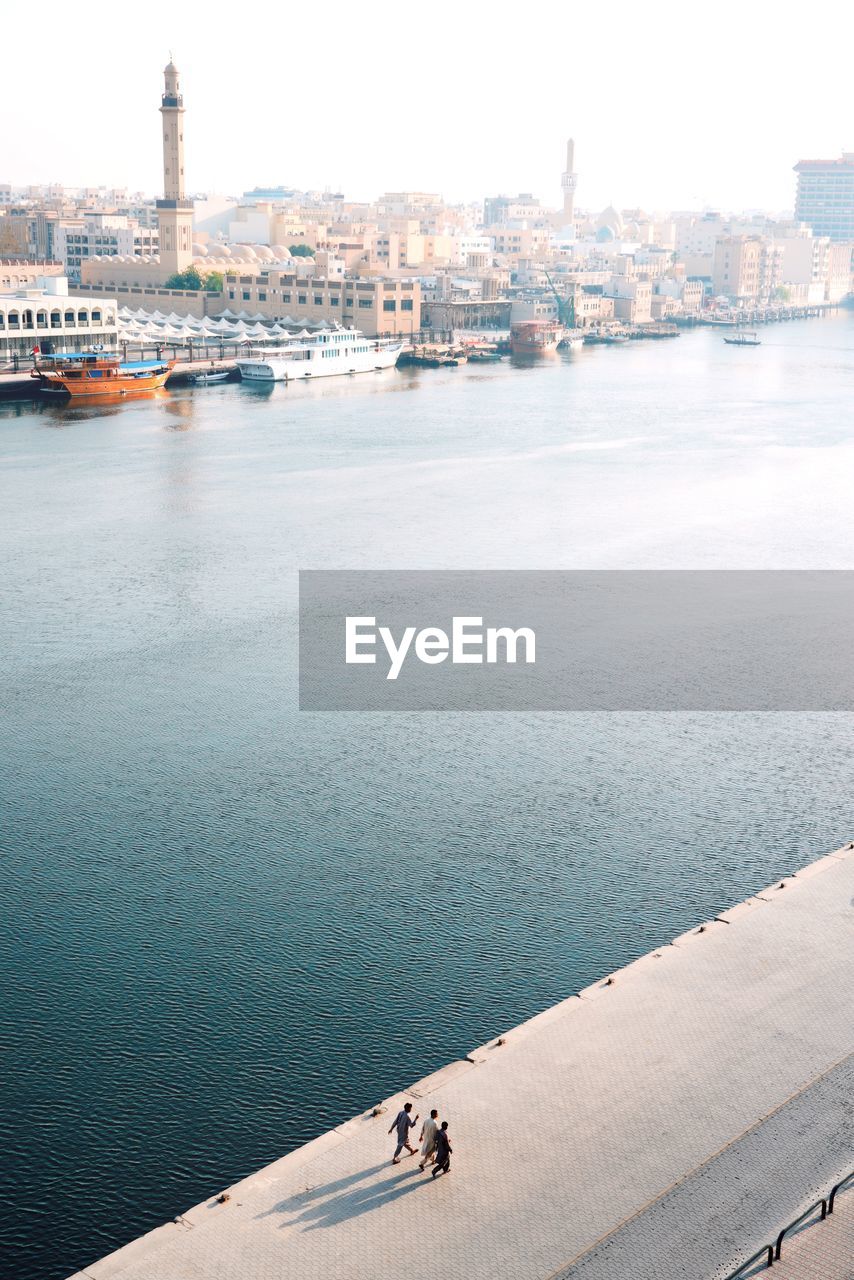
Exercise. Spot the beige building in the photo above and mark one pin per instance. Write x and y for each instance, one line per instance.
(375, 306)
(839, 271)
(520, 242)
(736, 269)
(806, 263)
(22, 273)
(632, 300)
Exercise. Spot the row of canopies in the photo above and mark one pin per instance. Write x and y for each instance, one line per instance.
(154, 326)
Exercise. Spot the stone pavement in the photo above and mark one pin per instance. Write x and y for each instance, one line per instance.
(824, 1250)
(663, 1122)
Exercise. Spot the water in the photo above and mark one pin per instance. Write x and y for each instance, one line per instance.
(227, 925)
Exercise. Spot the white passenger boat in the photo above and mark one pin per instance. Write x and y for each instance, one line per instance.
(320, 355)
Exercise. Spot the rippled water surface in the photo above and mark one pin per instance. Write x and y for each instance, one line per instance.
(228, 925)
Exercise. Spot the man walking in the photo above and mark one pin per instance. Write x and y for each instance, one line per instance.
(403, 1123)
(429, 1129)
(443, 1150)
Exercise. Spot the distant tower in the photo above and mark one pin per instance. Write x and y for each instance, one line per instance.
(174, 212)
(568, 182)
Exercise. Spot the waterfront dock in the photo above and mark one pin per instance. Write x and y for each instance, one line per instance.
(667, 1121)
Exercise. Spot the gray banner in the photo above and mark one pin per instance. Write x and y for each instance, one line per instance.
(576, 640)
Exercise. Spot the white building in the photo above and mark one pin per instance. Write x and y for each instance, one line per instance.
(101, 235)
(50, 318)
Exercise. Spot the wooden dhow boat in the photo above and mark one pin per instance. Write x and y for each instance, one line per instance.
(99, 373)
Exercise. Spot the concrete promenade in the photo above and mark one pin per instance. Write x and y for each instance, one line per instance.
(665, 1122)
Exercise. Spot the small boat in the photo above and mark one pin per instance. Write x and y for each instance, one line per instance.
(210, 376)
(611, 337)
(572, 340)
(747, 339)
(483, 355)
(98, 373)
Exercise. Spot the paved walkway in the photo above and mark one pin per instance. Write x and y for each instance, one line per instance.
(631, 1131)
(824, 1250)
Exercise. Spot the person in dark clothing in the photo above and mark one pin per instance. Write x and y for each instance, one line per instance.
(443, 1150)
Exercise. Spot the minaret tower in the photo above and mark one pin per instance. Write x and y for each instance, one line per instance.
(568, 182)
(174, 211)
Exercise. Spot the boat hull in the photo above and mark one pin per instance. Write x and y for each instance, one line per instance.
(535, 338)
(283, 369)
(101, 378)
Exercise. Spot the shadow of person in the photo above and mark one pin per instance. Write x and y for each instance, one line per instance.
(302, 1198)
(361, 1199)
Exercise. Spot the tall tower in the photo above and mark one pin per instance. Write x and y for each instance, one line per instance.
(568, 183)
(174, 212)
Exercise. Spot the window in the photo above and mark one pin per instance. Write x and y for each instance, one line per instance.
(389, 305)
(318, 300)
(301, 298)
(69, 319)
(262, 297)
(366, 302)
(96, 317)
(333, 301)
(246, 295)
(406, 304)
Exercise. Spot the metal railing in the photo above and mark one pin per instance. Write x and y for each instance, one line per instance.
(770, 1253)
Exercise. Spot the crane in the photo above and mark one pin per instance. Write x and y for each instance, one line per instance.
(565, 306)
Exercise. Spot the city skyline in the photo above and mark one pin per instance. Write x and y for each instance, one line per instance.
(486, 113)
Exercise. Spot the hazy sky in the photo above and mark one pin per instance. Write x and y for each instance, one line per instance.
(671, 105)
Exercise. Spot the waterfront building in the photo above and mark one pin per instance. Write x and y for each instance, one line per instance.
(736, 267)
(825, 196)
(676, 293)
(840, 271)
(377, 307)
(632, 299)
(50, 318)
(806, 264)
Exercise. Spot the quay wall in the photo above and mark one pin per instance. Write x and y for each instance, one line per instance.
(634, 1090)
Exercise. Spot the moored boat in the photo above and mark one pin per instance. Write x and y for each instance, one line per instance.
(210, 376)
(98, 373)
(535, 337)
(320, 355)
